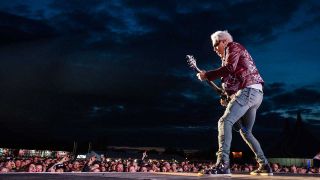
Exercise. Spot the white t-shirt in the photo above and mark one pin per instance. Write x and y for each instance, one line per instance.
(256, 86)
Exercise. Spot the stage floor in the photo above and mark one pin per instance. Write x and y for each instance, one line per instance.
(96, 176)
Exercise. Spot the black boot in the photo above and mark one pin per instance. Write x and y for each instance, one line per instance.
(263, 170)
(221, 168)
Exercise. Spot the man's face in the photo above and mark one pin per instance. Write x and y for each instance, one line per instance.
(119, 168)
(144, 169)
(164, 169)
(185, 168)
(23, 163)
(132, 169)
(275, 166)
(48, 161)
(9, 165)
(167, 165)
(39, 168)
(93, 158)
(103, 169)
(32, 168)
(218, 47)
(76, 165)
(18, 163)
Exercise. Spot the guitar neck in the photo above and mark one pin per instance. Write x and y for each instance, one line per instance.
(215, 87)
(211, 84)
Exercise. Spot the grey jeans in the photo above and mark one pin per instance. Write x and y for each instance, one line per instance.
(243, 108)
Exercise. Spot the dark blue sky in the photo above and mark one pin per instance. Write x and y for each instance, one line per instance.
(115, 71)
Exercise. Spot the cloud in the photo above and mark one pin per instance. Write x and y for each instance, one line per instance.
(124, 18)
(309, 12)
(300, 96)
(17, 29)
(286, 103)
(272, 89)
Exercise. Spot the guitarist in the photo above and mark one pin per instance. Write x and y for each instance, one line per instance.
(243, 85)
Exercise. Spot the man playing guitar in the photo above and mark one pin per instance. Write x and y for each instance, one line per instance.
(242, 84)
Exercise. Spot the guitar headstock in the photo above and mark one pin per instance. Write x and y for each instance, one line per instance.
(192, 61)
(193, 64)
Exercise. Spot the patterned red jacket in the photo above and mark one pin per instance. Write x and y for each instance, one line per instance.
(237, 71)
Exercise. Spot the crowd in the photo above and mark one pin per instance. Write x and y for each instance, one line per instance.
(96, 163)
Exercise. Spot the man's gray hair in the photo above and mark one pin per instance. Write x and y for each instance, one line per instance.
(221, 35)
